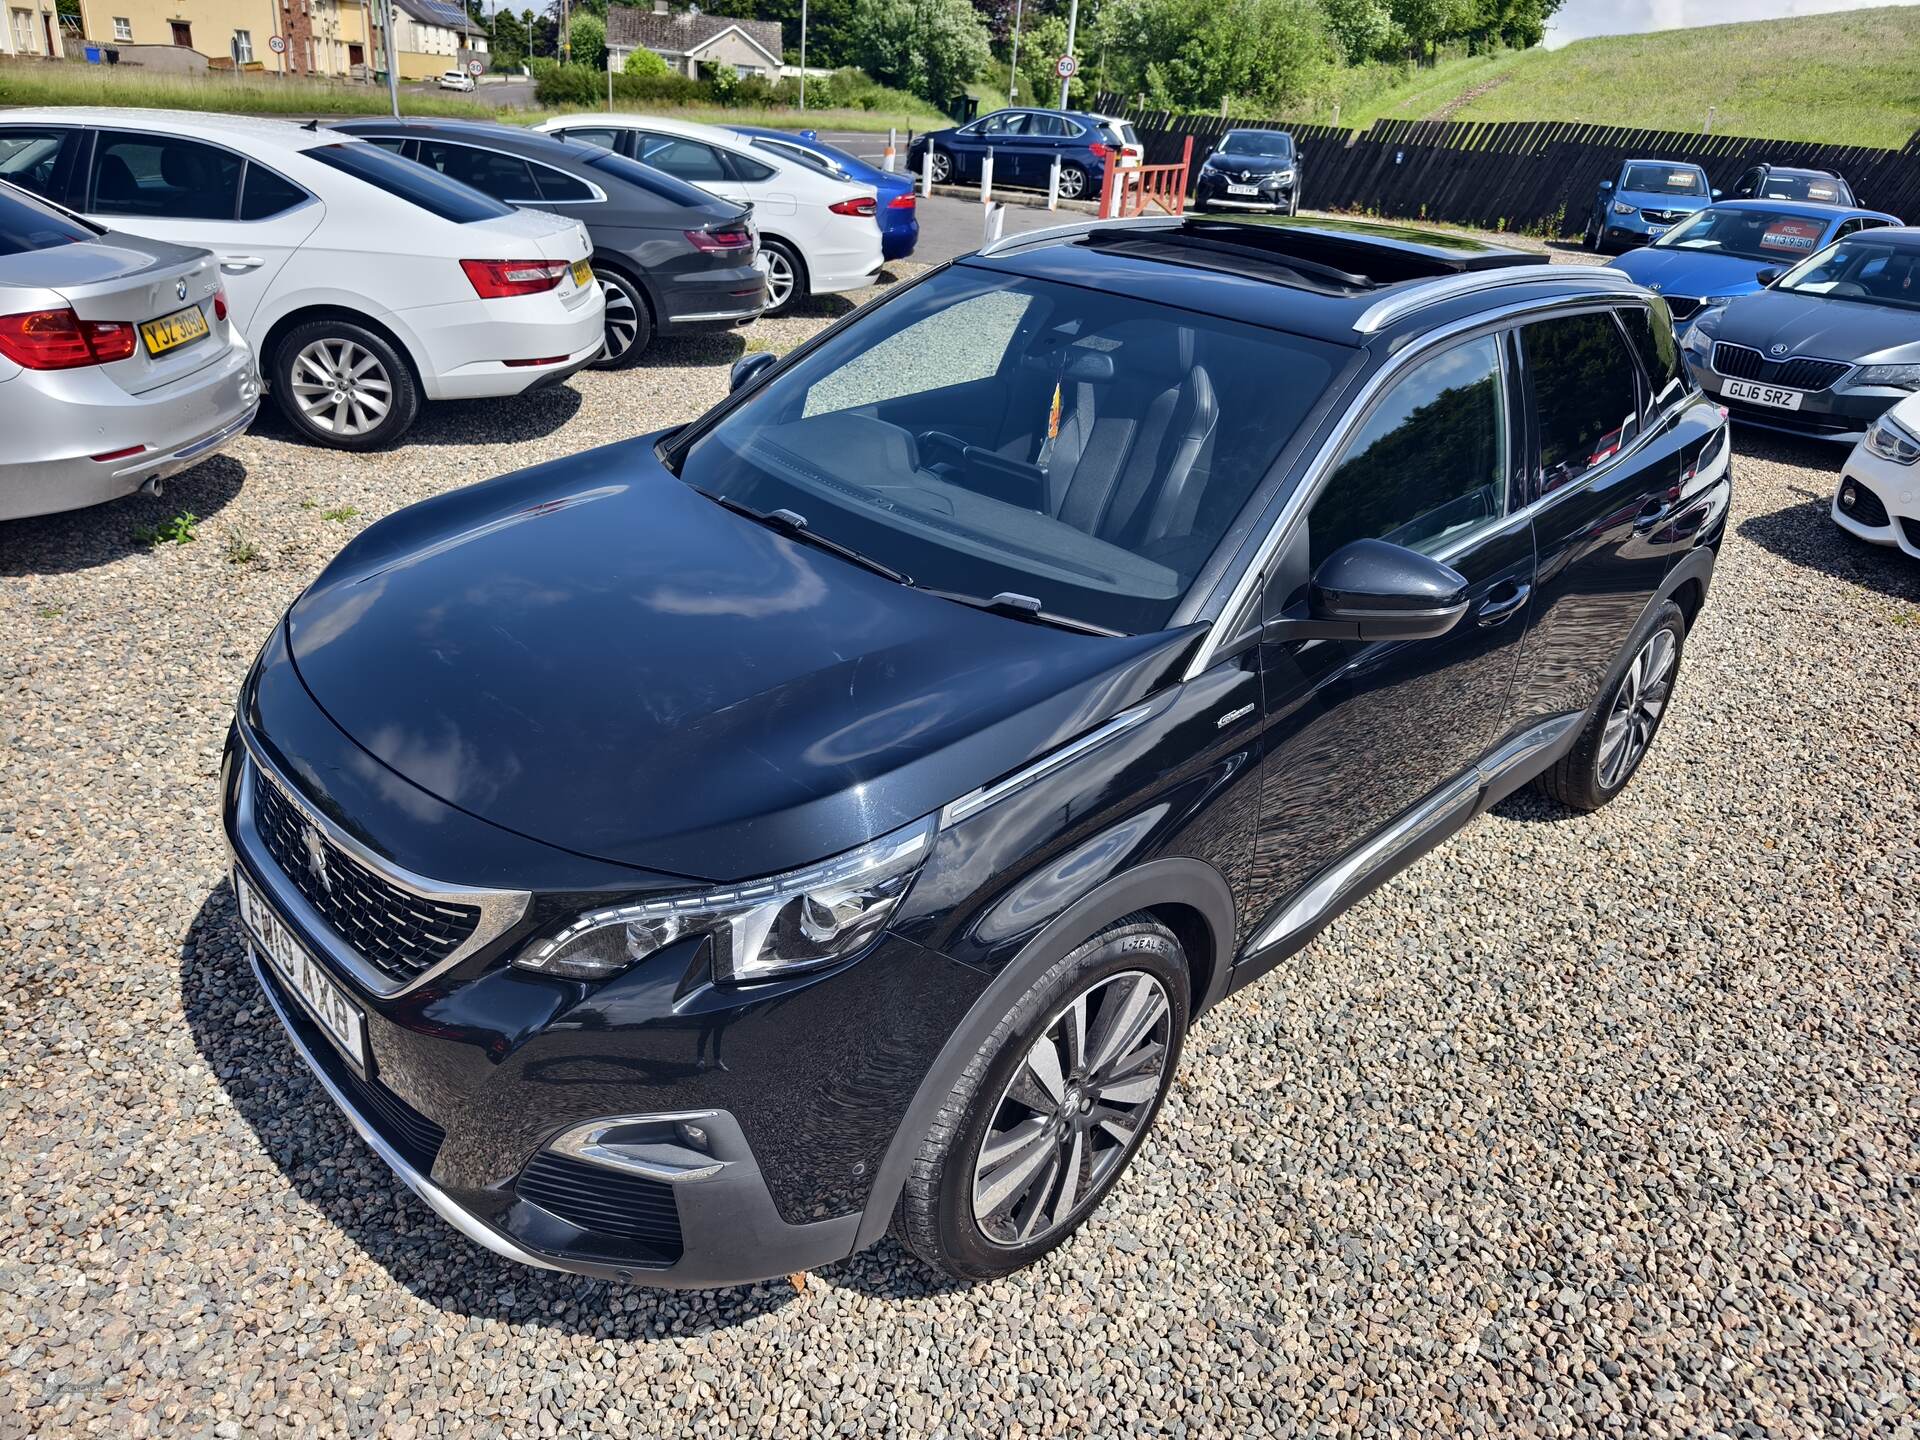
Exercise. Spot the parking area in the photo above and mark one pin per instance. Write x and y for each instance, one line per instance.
(1585, 1123)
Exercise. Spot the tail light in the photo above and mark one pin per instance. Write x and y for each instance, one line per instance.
(901, 202)
(220, 303)
(495, 279)
(715, 242)
(61, 340)
(1100, 152)
(862, 206)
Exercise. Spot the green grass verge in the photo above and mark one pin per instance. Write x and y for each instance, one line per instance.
(38, 83)
(777, 117)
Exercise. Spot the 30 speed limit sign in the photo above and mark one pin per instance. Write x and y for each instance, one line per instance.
(1066, 67)
(277, 45)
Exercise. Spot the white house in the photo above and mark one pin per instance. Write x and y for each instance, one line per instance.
(687, 40)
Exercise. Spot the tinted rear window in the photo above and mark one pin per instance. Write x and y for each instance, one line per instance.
(666, 186)
(416, 184)
(26, 226)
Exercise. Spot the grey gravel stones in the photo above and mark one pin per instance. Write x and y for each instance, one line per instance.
(1585, 1125)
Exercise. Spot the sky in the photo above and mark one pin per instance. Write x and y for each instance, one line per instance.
(1578, 19)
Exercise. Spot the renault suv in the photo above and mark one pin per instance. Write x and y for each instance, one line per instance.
(687, 861)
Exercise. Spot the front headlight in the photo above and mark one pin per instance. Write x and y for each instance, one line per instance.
(783, 925)
(1281, 177)
(1620, 207)
(1902, 377)
(1700, 334)
(1891, 440)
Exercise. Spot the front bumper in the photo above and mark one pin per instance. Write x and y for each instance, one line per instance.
(1879, 501)
(1838, 413)
(1209, 190)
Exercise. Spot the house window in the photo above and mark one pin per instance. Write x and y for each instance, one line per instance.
(745, 72)
(182, 34)
(243, 47)
(23, 32)
(122, 28)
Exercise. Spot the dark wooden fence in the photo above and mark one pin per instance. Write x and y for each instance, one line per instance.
(1536, 176)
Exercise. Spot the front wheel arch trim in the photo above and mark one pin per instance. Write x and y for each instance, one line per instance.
(1190, 884)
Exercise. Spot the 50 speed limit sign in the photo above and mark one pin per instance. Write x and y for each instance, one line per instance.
(1066, 67)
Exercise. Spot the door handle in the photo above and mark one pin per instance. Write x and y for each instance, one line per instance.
(240, 264)
(1651, 514)
(1505, 601)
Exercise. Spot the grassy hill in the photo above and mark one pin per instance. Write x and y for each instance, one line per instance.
(1850, 79)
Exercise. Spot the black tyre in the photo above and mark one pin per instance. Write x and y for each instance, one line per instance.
(1073, 182)
(629, 322)
(1051, 1110)
(942, 168)
(786, 276)
(1623, 725)
(341, 384)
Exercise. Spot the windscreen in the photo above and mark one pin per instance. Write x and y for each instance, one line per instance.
(1860, 269)
(1665, 180)
(984, 433)
(27, 225)
(1797, 185)
(416, 184)
(1770, 235)
(1275, 144)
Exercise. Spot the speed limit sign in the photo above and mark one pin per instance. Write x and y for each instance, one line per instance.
(277, 45)
(476, 69)
(1066, 67)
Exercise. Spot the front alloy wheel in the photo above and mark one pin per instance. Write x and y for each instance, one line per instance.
(1637, 708)
(942, 167)
(343, 385)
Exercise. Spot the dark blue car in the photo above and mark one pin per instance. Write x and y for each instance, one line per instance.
(898, 217)
(1024, 145)
(1722, 251)
(1642, 199)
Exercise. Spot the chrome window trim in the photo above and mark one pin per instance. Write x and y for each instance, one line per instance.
(974, 801)
(1320, 467)
(500, 910)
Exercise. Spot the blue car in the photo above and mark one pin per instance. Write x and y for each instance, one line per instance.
(1643, 199)
(899, 220)
(1724, 250)
(1024, 144)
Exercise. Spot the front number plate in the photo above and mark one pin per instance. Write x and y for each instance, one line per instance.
(1765, 394)
(170, 332)
(1243, 189)
(582, 274)
(302, 974)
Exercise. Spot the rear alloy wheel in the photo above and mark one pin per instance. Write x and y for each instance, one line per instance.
(786, 276)
(942, 167)
(344, 386)
(1621, 729)
(1073, 182)
(1050, 1111)
(629, 323)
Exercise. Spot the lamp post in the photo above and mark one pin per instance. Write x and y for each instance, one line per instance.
(1013, 75)
(393, 65)
(803, 54)
(1073, 19)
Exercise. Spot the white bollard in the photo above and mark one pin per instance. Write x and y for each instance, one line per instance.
(1053, 185)
(893, 138)
(986, 179)
(926, 171)
(994, 223)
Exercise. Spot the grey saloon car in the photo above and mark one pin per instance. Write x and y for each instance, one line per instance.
(117, 364)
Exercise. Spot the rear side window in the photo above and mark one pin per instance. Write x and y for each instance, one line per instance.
(505, 177)
(163, 177)
(1584, 395)
(557, 185)
(606, 139)
(30, 158)
(264, 194)
(416, 184)
(1651, 334)
(749, 171)
(687, 159)
(658, 182)
(25, 225)
(1429, 463)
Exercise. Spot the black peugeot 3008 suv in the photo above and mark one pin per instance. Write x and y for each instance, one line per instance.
(688, 859)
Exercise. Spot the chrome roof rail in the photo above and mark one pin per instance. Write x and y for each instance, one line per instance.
(1408, 298)
(1081, 227)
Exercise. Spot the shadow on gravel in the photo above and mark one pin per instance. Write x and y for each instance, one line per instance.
(101, 534)
(505, 421)
(1805, 535)
(330, 1167)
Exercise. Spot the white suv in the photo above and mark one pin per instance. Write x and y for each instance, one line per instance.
(366, 283)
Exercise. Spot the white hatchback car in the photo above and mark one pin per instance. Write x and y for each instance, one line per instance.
(1878, 497)
(365, 282)
(456, 80)
(818, 235)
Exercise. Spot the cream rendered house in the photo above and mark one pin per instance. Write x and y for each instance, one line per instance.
(431, 36)
(32, 27)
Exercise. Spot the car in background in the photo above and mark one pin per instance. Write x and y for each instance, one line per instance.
(1025, 143)
(1878, 497)
(1827, 348)
(860, 789)
(1250, 170)
(455, 80)
(1723, 251)
(1641, 200)
(818, 235)
(896, 209)
(670, 258)
(1792, 182)
(118, 363)
(365, 283)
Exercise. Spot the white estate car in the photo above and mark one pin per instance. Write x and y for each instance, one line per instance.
(455, 80)
(365, 282)
(818, 235)
(1878, 497)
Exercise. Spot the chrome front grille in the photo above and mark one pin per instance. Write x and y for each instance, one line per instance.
(1742, 362)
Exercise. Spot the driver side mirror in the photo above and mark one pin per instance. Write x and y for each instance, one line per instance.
(749, 368)
(1373, 590)
(1606, 184)
(1718, 193)
(1769, 275)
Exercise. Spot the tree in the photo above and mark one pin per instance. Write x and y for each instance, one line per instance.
(934, 48)
(643, 62)
(587, 40)
(1360, 27)
(1043, 40)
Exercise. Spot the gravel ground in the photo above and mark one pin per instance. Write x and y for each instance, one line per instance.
(1585, 1124)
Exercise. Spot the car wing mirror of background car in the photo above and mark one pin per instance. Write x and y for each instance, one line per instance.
(748, 369)
(1374, 590)
(1769, 275)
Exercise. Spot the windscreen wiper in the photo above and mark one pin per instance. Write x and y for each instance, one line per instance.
(1016, 606)
(793, 524)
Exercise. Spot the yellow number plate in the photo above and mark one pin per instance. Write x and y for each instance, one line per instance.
(171, 331)
(582, 274)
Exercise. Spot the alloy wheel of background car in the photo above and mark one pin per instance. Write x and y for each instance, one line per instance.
(1016, 1160)
(942, 167)
(1622, 725)
(344, 386)
(785, 276)
(1073, 182)
(629, 324)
